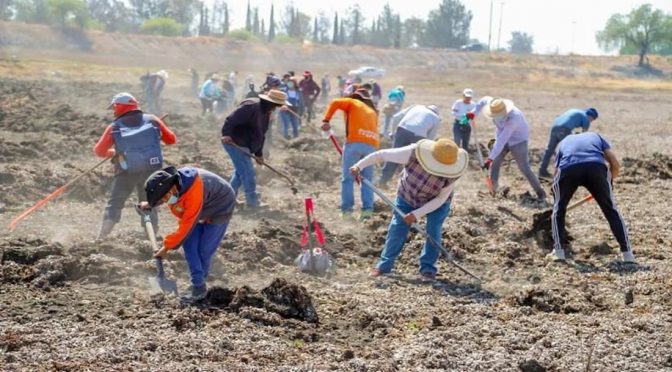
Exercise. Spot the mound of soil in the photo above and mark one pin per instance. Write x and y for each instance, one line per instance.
(646, 168)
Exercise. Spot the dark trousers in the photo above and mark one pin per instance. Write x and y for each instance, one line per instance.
(206, 105)
(596, 178)
(402, 138)
(557, 135)
(122, 187)
(461, 133)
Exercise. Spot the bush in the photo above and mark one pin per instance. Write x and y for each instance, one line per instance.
(68, 12)
(242, 35)
(284, 39)
(162, 26)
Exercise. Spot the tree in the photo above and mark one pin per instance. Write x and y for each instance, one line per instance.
(184, 12)
(113, 15)
(323, 26)
(65, 11)
(521, 43)
(162, 26)
(356, 21)
(31, 11)
(226, 25)
(248, 18)
(255, 22)
(642, 30)
(334, 37)
(448, 26)
(6, 11)
(341, 34)
(413, 30)
(271, 25)
(315, 31)
(397, 33)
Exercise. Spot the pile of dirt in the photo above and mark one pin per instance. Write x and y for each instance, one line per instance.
(289, 301)
(646, 168)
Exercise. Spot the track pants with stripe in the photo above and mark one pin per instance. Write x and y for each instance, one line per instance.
(596, 178)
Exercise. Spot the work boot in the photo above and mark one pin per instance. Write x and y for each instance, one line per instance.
(545, 174)
(628, 257)
(365, 215)
(347, 216)
(106, 229)
(197, 294)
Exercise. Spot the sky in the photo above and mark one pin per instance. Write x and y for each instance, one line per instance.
(565, 26)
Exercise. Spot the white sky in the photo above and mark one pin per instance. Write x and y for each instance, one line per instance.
(563, 25)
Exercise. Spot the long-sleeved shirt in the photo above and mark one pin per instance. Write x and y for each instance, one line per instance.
(419, 120)
(309, 88)
(402, 155)
(572, 119)
(104, 147)
(247, 125)
(361, 121)
(210, 90)
(512, 129)
(204, 197)
(460, 108)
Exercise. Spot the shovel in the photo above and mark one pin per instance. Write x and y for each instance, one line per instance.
(313, 260)
(159, 283)
(488, 180)
(417, 228)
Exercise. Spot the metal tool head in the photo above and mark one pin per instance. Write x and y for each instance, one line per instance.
(159, 283)
(319, 263)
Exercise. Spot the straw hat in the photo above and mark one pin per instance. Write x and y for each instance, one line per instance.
(497, 107)
(276, 96)
(442, 158)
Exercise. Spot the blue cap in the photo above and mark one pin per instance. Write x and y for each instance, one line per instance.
(592, 112)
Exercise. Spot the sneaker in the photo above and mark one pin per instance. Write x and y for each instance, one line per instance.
(556, 255)
(628, 257)
(197, 294)
(545, 174)
(347, 216)
(365, 215)
(428, 276)
(375, 273)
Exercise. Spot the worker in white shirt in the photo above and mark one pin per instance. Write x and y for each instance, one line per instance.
(412, 124)
(462, 128)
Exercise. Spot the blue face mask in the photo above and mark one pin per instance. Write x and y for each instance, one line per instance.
(172, 200)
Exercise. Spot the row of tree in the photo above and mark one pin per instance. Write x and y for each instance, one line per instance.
(446, 26)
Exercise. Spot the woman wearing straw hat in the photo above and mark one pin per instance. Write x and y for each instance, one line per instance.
(246, 127)
(431, 169)
(512, 136)
(361, 128)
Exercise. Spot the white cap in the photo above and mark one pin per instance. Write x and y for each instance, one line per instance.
(468, 93)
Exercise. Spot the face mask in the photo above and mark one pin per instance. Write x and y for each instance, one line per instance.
(500, 120)
(172, 200)
(290, 85)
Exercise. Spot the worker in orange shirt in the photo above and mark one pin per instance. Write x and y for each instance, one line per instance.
(134, 142)
(361, 130)
(203, 203)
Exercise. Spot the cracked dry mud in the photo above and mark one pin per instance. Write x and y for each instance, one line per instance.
(68, 303)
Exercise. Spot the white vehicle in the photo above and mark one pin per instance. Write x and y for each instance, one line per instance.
(367, 72)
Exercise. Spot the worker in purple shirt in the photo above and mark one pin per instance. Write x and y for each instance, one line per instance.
(582, 160)
(563, 126)
(512, 136)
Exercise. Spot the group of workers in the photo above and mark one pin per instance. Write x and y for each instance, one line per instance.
(203, 202)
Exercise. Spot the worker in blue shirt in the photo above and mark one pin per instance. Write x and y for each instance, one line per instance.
(563, 126)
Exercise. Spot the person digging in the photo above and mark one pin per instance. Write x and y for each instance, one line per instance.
(563, 126)
(361, 128)
(134, 141)
(431, 169)
(203, 204)
(244, 133)
(512, 135)
(581, 161)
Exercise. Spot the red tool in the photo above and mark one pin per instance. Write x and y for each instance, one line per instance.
(338, 147)
(313, 260)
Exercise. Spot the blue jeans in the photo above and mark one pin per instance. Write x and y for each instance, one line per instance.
(461, 133)
(352, 153)
(199, 248)
(557, 135)
(288, 119)
(397, 233)
(402, 138)
(243, 175)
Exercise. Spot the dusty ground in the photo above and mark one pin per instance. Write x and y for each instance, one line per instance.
(67, 303)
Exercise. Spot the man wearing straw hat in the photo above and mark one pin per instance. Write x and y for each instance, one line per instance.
(512, 136)
(246, 127)
(426, 187)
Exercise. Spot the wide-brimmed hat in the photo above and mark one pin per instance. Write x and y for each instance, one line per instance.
(497, 107)
(468, 93)
(163, 74)
(442, 158)
(276, 96)
(362, 93)
(159, 183)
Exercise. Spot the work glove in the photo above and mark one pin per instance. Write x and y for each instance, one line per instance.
(487, 164)
(325, 125)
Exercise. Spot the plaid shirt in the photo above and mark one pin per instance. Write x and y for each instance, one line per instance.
(417, 187)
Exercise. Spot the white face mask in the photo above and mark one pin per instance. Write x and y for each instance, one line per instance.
(172, 200)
